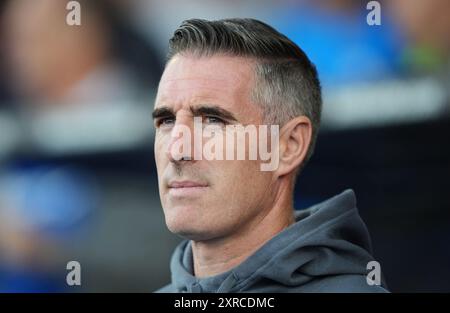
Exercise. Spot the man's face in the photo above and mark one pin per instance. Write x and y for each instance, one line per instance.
(208, 199)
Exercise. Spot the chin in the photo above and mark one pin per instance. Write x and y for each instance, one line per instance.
(189, 229)
(190, 222)
(191, 233)
(179, 223)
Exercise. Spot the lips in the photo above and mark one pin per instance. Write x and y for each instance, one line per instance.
(186, 189)
(186, 184)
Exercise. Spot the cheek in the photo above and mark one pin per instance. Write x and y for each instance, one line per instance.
(159, 150)
(241, 191)
(238, 177)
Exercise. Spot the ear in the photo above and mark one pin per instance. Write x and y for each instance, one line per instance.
(295, 138)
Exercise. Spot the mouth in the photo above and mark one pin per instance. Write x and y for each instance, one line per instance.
(186, 188)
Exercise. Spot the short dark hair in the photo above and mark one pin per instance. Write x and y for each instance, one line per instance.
(287, 83)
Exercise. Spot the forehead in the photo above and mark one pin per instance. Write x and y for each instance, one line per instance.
(221, 80)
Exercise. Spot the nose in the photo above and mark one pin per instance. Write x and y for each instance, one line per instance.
(181, 145)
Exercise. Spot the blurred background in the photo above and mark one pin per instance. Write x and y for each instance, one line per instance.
(77, 174)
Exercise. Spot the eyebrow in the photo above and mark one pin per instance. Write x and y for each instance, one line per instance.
(196, 111)
(213, 110)
(162, 112)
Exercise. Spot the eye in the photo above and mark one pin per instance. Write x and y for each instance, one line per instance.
(214, 120)
(165, 121)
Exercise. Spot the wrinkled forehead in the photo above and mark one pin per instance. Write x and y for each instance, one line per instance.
(220, 80)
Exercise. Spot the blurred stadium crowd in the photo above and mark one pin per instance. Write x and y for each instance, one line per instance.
(77, 174)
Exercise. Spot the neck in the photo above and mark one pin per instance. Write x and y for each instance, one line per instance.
(212, 257)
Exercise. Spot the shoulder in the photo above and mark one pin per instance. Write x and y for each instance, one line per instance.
(346, 284)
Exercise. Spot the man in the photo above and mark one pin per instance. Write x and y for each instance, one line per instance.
(243, 234)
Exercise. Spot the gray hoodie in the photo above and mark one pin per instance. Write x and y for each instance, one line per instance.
(327, 249)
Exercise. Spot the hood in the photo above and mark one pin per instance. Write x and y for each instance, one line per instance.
(327, 241)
